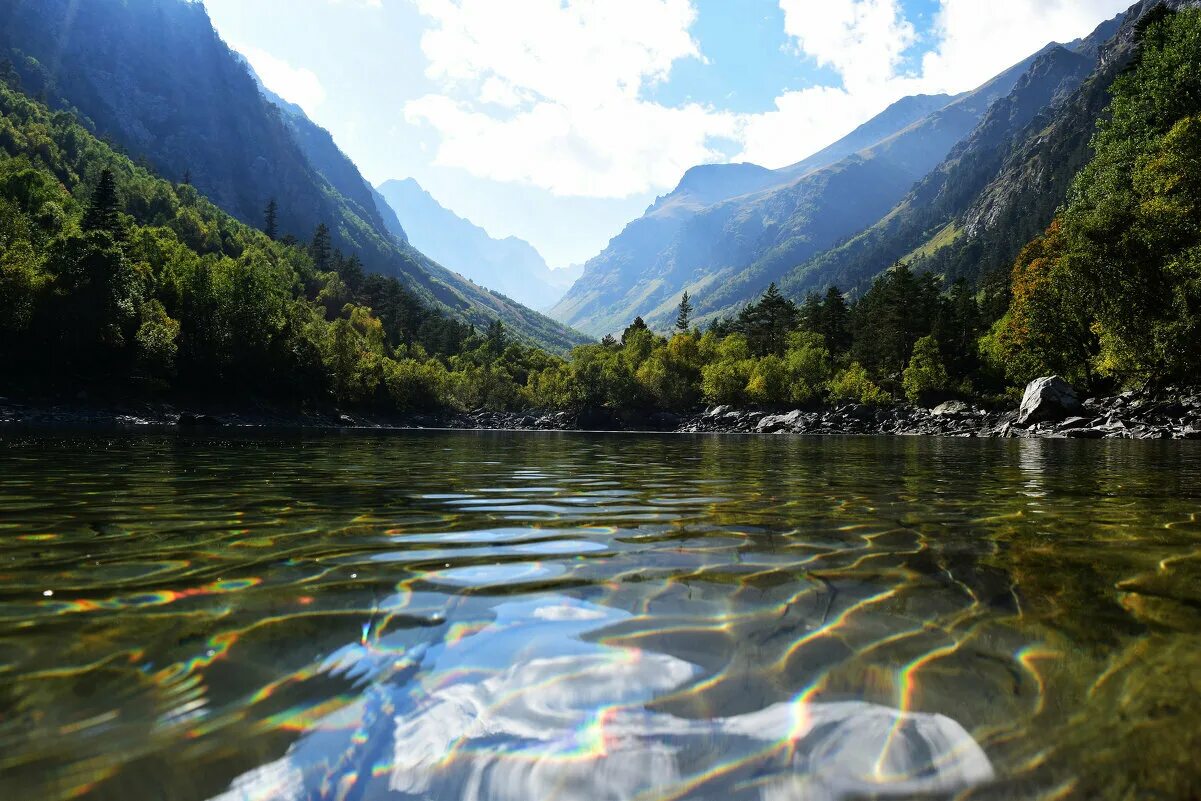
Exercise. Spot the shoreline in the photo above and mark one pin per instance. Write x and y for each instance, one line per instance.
(1166, 415)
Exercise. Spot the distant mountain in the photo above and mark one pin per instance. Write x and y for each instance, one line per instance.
(510, 266)
(747, 226)
(154, 78)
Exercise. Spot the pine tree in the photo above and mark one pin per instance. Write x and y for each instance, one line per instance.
(684, 317)
(638, 325)
(767, 323)
(321, 248)
(103, 213)
(496, 337)
(835, 323)
(272, 219)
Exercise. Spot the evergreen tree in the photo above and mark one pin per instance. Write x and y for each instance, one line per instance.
(835, 322)
(321, 249)
(684, 316)
(638, 325)
(767, 323)
(496, 337)
(103, 213)
(271, 215)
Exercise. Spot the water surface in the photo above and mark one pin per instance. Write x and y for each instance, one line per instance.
(552, 616)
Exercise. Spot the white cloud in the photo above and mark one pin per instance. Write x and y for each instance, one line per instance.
(550, 93)
(980, 38)
(295, 84)
(864, 41)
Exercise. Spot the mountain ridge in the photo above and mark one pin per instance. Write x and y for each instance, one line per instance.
(722, 252)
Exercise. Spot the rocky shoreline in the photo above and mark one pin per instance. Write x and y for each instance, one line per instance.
(1054, 414)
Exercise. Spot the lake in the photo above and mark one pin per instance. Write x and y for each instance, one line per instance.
(567, 616)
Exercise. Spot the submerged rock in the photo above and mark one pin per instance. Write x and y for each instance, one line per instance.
(1048, 399)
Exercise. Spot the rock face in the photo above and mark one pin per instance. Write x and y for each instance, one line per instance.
(1048, 399)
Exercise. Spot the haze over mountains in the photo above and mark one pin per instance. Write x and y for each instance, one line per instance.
(889, 190)
(510, 266)
(153, 77)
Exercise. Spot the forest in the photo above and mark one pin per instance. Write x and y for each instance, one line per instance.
(111, 276)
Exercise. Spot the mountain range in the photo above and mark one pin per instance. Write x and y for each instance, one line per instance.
(154, 79)
(510, 266)
(929, 180)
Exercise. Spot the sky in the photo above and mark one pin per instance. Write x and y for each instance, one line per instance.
(559, 121)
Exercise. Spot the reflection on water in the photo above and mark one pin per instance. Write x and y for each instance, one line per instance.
(513, 617)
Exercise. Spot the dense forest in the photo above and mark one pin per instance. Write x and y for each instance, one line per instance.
(109, 274)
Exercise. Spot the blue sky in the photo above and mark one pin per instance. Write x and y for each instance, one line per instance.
(560, 120)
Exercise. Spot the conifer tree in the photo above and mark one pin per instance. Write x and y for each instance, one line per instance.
(684, 316)
(272, 219)
(321, 248)
(103, 213)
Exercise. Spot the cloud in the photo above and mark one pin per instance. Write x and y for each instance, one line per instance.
(550, 93)
(865, 42)
(295, 84)
(980, 38)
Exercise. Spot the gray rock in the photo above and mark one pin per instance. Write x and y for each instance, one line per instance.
(1048, 399)
(778, 422)
(952, 408)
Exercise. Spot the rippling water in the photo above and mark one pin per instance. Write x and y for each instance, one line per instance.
(521, 617)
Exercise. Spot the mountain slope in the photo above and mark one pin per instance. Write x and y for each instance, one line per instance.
(1020, 200)
(727, 252)
(510, 265)
(153, 77)
(924, 221)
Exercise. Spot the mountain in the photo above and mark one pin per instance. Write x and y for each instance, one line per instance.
(925, 220)
(1020, 198)
(510, 266)
(335, 166)
(155, 79)
(726, 246)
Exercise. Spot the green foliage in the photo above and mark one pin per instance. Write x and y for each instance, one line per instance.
(855, 386)
(926, 379)
(1114, 286)
(767, 322)
(684, 314)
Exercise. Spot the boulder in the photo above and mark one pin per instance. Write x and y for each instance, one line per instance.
(1048, 399)
(952, 408)
(778, 422)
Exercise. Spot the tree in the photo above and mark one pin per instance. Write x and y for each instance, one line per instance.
(271, 219)
(925, 379)
(104, 209)
(638, 325)
(898, 310)
(854, 385)
(684, 316)
(835, 323)
(495, 337)
(767, 322)
(321, 248)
